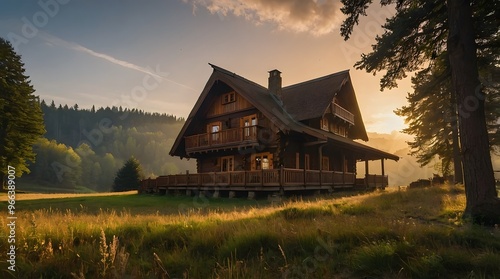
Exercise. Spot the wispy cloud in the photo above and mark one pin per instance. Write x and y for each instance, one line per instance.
(60, 42)
(318, 17)
(53, 40)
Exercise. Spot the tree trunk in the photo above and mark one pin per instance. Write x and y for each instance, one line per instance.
(458, 175)
(483, 205)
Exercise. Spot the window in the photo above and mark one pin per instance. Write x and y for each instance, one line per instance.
(335, 128)
(214, 131)
(228, 101)
(227, 164)
(325, 163)
(229, 98)
(262, 161)
(342, 131)
(250, 126)
(324, 124)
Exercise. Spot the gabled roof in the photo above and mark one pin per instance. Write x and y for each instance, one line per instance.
(311, 99)
(256, 94)
(273, 109)
(317, 93)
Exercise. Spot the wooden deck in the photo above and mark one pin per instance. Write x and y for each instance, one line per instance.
(263, 180)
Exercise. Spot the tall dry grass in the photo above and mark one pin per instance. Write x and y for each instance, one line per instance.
(391, 234)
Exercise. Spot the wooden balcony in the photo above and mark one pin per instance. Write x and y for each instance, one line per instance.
(264, 180)
(224, 138)
(343, 113)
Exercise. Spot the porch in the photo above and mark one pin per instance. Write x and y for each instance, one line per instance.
(264, 180)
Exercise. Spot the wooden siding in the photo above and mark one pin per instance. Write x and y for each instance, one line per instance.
(219, 106)
(213, 164)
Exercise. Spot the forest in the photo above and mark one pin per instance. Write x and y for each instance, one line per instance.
(82, 149)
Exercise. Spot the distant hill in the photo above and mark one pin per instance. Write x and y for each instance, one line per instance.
(85, 147)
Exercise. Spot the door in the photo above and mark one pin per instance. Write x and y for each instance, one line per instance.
(249, 124)
(214, 130)
(227, 164)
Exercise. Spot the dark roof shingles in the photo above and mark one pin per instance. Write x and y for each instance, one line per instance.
(310, 99)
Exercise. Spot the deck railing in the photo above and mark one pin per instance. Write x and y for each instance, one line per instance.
(229, 136)
(265, 178)
(343, 113)
(372, 180)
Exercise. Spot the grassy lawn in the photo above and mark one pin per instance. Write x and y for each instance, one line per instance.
(129, 202)
(393, 234)
(28, 186)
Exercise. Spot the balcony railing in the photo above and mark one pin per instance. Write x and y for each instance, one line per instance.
(283, 177)
(222, 138)
(343, 113)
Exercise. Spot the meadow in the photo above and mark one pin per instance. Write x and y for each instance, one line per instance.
(416, 233)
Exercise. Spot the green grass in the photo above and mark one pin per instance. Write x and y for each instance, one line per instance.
(136, 204)
(28, 186)
(408, 234)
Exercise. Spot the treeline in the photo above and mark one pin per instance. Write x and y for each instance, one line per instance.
(86, 147)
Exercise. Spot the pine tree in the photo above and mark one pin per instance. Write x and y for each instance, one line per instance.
(433, 103)
(430, 116)
(421, 30)
(21, 119)
(128, 177)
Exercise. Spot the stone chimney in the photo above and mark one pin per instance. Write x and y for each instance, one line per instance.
(275, 83)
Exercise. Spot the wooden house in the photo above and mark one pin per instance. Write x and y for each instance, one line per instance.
(246, 137)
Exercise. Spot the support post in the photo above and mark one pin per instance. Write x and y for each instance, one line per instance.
(251, 195)
(281, 176)
(383, 172)
(343, 169)
(261, 177)
(367, 171)
(305, 177)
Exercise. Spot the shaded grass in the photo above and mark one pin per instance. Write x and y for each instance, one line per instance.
(409, 234)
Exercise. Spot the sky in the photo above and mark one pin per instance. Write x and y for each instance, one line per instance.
(153, 54)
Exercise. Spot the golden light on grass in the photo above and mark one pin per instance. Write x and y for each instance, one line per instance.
(37, 196)
(413, 232)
